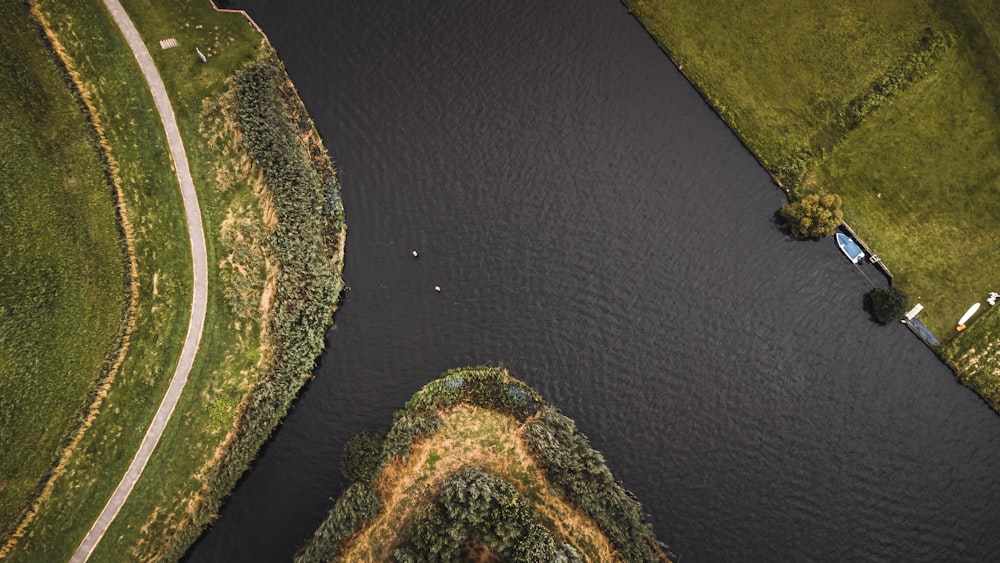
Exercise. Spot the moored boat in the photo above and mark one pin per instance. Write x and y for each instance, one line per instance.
(850, 248)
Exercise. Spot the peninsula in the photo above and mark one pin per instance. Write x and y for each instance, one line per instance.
(478, 467)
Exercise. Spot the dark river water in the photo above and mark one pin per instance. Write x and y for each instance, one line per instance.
(595, 228)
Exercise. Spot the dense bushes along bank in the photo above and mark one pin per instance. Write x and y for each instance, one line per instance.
(305, 244)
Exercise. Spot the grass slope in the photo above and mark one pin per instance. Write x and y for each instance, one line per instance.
(62, 274)
(479, 419)
(108, 75)
(919, 174)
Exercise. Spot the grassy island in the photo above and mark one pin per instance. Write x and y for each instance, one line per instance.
(477, 467)
(270, 203)
(894, 106)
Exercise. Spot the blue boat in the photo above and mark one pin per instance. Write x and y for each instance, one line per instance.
(850, 248)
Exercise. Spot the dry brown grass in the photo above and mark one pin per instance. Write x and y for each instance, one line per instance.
(472, 437)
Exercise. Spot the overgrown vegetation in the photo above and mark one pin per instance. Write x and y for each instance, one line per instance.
(547, 457)
(362, 456)
(813, 216)
(888, 304)
(892, 105)
(63, 273)
(581, 474)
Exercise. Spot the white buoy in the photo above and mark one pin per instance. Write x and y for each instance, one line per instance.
(414, 253)
(437, 288)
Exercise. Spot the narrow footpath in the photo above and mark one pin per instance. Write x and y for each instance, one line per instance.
(200, 291)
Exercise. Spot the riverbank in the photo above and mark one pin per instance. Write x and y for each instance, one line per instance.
(249, 365)
(894, 109)
(484, 421)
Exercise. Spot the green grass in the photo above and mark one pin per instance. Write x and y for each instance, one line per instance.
(62, 267)
(920, 176)
(937, 222)
(226, 356)
(152, 199)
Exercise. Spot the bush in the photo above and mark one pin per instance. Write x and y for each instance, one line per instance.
(362, 456)
(888, 304)
(813, 216)
(356, 506)
(930, 48)
(473, 504)
(481, 386)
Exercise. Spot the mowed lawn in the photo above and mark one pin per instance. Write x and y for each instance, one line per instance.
(920, 176)
(62, 267)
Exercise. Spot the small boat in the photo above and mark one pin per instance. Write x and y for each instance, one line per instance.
(850, 248)
(968, 315)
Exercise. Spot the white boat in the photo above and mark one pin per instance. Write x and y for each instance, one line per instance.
(968, 315)
(850, 248)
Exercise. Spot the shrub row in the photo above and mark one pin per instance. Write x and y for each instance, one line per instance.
(357, 505)
(929, 49)
(931, 46)
(581, 475)
(485, 387)
(307, 287)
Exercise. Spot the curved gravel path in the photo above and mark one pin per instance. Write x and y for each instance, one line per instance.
(200, 294)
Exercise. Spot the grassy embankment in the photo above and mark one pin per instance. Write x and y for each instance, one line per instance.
(480, 420)
(893, 105)
(63, 276)
(269, 303)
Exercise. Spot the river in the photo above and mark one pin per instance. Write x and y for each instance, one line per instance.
(594, 227)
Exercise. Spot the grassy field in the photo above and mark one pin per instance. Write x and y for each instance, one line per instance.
(107, 74)
(63, 295)
(208, 442)
(919, 173)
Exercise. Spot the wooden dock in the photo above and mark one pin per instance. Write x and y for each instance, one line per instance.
(872, 257)
(245, 14)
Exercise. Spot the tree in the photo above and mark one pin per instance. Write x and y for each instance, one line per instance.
(888, 304)
(813, 216)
